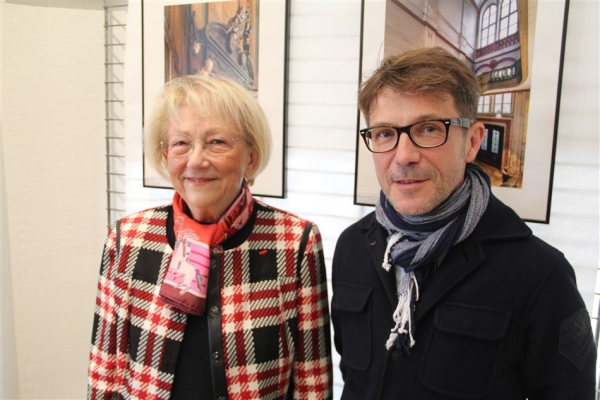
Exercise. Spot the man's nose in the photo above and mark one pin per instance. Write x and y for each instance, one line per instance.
(406, 152)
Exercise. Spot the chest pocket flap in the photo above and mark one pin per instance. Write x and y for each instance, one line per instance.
(479, 323)
(351, 307)
(464, 349)
(350, 298)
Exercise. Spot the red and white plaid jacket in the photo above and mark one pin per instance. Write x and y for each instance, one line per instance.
(136, 337)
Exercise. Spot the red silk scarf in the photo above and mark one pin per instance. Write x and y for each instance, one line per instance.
(184, 286)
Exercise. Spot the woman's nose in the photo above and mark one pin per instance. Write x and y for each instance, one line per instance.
(197, 156)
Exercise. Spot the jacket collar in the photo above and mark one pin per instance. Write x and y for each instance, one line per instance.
(498, 223)
(376, 237)
(234, 241)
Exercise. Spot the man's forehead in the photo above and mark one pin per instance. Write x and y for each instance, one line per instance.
(436, 100)
(433, 97)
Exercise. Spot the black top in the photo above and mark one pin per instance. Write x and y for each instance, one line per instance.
(193, 373)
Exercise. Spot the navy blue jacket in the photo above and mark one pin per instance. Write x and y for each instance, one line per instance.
(501, 319)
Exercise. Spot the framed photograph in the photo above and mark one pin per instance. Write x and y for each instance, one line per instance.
(516, 49)
(244, 40)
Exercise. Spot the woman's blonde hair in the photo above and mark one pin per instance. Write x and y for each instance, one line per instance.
(225, 100)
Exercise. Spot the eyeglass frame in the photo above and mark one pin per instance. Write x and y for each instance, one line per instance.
(448, 122)
(165, 147)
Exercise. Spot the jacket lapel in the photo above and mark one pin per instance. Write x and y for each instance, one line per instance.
(376, 242)
(459, 263)
(497, 223)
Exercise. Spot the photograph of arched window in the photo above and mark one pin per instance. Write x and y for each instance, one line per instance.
(496, 40)
(501, 70)
(489, 40)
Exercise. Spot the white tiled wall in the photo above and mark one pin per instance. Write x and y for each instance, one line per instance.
(322, 115)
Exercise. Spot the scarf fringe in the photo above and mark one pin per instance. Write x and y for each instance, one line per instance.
(418, 240)
(403, 315)
(387, 261)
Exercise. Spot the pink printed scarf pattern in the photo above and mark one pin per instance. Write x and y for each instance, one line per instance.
(185, 283)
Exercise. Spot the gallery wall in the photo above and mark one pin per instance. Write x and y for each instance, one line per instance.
(322, 134)
(322, 138)
(53, 213)
(52, 182)
(8, 372)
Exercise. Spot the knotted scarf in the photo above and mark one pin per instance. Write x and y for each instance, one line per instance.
(184, 286)
(415, 241)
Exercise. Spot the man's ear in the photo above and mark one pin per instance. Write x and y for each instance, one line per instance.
(473, 141)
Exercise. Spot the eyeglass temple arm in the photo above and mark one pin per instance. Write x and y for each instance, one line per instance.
(463, 122)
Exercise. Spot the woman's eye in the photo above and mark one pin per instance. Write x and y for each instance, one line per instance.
(216, 142)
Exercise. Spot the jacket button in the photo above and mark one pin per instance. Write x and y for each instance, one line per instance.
(214, 311)
(216, 356)
(395, 355)
(373, 242)
(222, 398)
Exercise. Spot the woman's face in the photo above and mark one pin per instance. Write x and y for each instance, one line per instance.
(208, 178)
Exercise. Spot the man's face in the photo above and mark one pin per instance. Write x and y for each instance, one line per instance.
(416, 180)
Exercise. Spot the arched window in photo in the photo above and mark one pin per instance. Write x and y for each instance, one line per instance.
(509, 18)
(488, 26)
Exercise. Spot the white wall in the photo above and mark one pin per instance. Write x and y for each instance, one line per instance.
(323, 79)
(9, 387)
(53, 182)
(53, 217)
(574, 226)
(322, 121)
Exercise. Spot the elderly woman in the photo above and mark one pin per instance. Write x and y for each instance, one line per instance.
(216, 295)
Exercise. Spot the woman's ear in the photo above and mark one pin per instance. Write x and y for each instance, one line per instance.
(252, 165)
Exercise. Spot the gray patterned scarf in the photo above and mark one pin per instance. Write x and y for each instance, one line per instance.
(415, 241)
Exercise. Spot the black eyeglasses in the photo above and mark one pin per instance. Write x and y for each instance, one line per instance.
(426, 134)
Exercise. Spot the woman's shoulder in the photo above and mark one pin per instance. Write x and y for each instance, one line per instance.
(268, 212)
(150, 216)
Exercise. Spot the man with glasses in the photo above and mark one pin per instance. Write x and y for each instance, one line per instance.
(443, 291)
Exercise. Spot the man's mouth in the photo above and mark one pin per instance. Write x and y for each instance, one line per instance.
(407, 181)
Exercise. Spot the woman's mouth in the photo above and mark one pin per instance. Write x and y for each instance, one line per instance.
(199, 180)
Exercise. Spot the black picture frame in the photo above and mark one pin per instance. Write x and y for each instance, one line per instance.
(531, 77)
(245, 41)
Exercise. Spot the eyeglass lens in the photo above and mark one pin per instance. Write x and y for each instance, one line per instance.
(181, 146)
(425, 134)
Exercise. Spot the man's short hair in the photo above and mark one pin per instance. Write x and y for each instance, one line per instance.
(429, 71)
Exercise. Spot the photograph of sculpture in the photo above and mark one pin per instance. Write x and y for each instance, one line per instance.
(496, 39)
(216, 37)
(243, 40)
